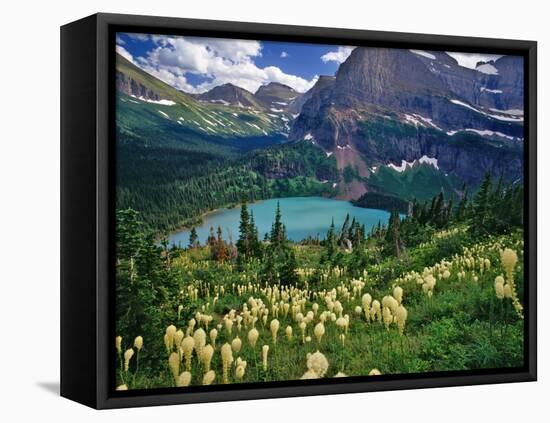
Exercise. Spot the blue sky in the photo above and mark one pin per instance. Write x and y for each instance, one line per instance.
(196, 64)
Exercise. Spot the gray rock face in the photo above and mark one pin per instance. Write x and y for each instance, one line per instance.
(323, 82)
(411, 104)
(130, 86)
(231, 94)
(275, 95)
(503, 90)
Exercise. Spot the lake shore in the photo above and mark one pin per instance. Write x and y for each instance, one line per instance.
(320, 211)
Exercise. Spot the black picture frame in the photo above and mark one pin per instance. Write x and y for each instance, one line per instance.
(87, 212)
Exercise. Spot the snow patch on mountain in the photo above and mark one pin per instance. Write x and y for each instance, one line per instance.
(487, 68)
(418, 120)
(224, 102)
(483, 89)
(510, 118)
(423, 53)
(513, 112)
(484, 133)
(161, 102)
(163, 114)
(405, 164)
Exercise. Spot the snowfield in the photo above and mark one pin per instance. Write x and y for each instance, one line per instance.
(405, 164)
(161, 102)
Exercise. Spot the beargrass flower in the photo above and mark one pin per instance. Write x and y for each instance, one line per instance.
(253, 335)
(127, 357)
(265, 350)
(184, 379)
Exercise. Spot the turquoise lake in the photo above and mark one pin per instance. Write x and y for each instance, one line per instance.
(302, 216)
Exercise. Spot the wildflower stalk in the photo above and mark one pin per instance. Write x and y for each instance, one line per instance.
(137, 370)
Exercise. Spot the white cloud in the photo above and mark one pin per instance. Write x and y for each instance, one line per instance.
(338, 56)
(219, 61)
(125, 53)
(284, 55)
(119, 40)
(470, 60)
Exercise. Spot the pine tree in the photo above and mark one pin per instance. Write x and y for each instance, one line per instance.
(460, 214)
(344, 232)
(393, 236)
(243, 243)
(278, 229)
(193, 238)
(288, 273)
(331, 241)
(480, 207)
(269, 272)
(437, 211)
(253, 241)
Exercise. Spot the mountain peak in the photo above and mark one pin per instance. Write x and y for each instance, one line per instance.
(275, 85)
(275, 96)
(230, 94)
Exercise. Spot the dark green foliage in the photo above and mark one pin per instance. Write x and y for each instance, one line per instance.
(288, 275)
(193, 238)
(375, 200)
(495, 210)
(421, 182)
(144, 282)
(278, 235)
(248, 245)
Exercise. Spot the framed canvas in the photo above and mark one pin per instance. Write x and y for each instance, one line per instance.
(255, 211)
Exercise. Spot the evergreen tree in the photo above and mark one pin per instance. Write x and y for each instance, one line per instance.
(331, 241)
(278, 230)
(193, 238)
(480, 206)
(288, 273)
(269, 272)
(460, 214)
(243, 243)
(344, 232)
(393, 236)
(253, 241)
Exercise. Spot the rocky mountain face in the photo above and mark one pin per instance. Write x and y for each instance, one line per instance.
(388, 105)
(495, 84)
(275, 96)
(295, 106)
(230, 94)
(131, 87)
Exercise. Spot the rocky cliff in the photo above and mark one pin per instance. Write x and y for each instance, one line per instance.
(388, 105)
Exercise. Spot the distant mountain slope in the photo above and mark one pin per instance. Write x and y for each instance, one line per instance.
(155, 112)
(275, 96)
(229, 94)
